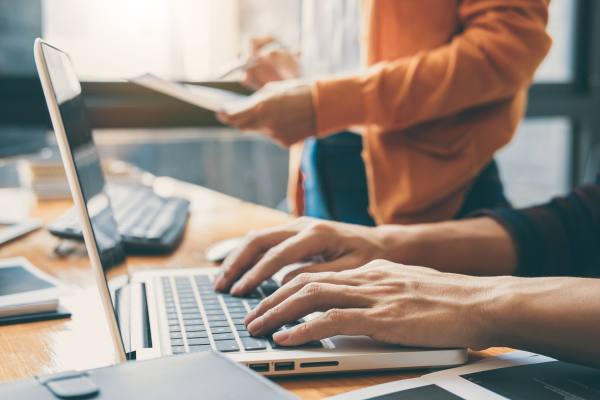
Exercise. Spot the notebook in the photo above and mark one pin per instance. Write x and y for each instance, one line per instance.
(212, 99)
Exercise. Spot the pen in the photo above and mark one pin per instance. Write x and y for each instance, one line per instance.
(242, 64)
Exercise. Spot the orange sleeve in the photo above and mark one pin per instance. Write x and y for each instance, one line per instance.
(496, 54)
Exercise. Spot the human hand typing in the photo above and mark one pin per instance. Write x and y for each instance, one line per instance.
(340, 246)
(389, 302)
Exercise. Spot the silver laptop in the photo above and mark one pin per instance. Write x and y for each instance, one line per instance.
(160, 312)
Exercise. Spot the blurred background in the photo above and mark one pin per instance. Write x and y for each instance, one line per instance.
(191, 40)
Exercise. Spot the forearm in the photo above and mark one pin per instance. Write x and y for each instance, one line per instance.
(558, 317)
(478, 246)
(491, 60)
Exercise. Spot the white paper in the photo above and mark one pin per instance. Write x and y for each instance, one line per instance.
(450, 379)
(212, 99)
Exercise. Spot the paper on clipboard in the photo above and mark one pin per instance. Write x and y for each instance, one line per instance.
(212, 99)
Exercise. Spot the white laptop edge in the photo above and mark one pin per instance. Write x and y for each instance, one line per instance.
(76, 192)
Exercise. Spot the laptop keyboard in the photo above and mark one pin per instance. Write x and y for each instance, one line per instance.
(139, 212)
(216, 322)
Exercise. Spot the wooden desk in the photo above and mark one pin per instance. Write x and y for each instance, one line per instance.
(84, 342)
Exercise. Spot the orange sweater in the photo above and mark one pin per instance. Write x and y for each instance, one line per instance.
(447, 88)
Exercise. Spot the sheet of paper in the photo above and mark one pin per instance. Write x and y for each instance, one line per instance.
(535, 377)
(212, 99)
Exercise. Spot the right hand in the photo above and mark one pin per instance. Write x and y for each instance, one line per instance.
(269, 65)
(340, 246)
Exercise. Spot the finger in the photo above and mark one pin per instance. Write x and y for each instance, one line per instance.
(239, 118)
(340, 264)
(254, 247)
(294, 249)
(333, 322)
(312, 298)
(294, 286)
(245, 256)
(261, 73)
(259, 42)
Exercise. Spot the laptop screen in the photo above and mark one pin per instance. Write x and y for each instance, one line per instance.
(69, 97)
(67, 92)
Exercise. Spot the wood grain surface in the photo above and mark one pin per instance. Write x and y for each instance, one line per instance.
(83, 341)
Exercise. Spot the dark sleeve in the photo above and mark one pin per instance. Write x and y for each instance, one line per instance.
(560, 238)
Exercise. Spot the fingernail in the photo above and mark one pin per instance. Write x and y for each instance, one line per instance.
(250, 316)
(238, 288)
(256, 325)
(281, 336)
(219, 282)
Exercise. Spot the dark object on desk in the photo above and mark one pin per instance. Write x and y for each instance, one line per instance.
(549, 380)
(148, 223)
(195, 376)
(60, 313)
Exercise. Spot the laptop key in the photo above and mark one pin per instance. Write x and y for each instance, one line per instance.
(254, 295)
(215, 324)
(223, 336)
(220, 329)
(243, 334)
(227, 346)
(214, 312)
(199, 348)
(195, 328)
(211, 306)
(237, 310)
(254, 344)
(176, 335)
(189, 315)
(178, 349)
(192, 320)
(196, 341)
(232, 300)
(269, 287)
(177, 342)
(189, 307)
(215, 318)
(196, 335)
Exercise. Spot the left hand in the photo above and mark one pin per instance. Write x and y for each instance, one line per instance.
(339, 246)
(283, 113)
(393, 303)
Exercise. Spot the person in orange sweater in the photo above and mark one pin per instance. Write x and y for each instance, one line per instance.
(446, 88)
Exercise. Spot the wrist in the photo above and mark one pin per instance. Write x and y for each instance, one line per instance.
(499, 315)
(399, 243)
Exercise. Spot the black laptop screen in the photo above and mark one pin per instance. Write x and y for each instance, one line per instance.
(67, 90)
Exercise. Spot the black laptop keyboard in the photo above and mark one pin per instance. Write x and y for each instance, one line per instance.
(145, 219)
(217, 321)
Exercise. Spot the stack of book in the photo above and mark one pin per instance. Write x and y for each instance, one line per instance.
(45, 175)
